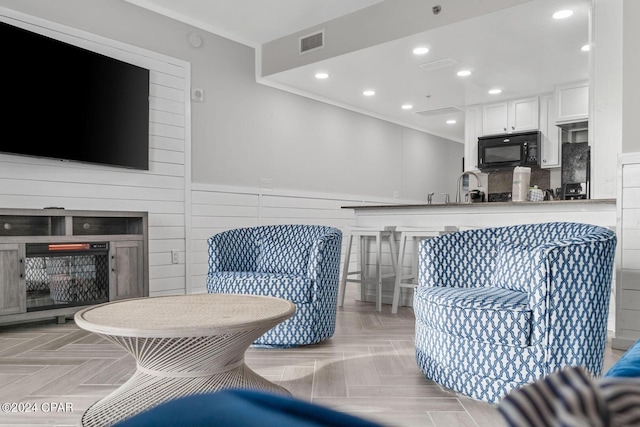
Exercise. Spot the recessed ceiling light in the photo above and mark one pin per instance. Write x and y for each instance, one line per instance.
(322, 76)
(585, 48)
(562, 14)
(369, 92)
(451, 122)
(464, 73)
(420, 50)
(495, 91)
(407, 106)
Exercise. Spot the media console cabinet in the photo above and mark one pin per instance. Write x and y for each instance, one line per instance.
(54, 262)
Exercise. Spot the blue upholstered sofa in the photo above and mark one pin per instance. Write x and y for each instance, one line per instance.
(628, 366)
(242, 408)
(498, 308)
(300, 263)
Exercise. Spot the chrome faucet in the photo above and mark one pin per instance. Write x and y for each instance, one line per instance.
(458, 199)
(430, 198)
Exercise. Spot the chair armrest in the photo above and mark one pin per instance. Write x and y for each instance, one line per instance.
(324, 261)
(572, 276)
(566, 264)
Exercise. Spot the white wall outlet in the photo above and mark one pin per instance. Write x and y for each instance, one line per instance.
(197, 94)
(175, 256)
(265, 183)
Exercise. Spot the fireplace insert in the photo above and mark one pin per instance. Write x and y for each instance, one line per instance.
(66, 274)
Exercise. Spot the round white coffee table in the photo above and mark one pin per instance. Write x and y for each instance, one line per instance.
(183, 345)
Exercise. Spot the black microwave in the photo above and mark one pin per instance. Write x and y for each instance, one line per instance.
(507, 151)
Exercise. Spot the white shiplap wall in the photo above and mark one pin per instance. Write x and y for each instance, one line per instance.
(163, 190)
(628, 260)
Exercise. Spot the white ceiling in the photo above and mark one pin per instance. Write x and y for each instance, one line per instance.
(254, 22)
(521, 50)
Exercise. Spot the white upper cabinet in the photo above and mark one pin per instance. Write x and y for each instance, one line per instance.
(523, 114)
(572, 102)
(550, 150)
(472, 130)
(517, 115)
(494, 118)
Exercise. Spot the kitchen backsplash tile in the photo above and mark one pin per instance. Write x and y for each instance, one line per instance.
(502, 181)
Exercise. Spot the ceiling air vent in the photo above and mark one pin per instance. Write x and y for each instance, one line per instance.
(440, 111)
(438, 64)
(312, 42)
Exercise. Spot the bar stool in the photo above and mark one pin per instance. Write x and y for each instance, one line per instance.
(415, 234)
(363, 233)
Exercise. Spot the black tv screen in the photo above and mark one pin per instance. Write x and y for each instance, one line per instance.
(65, 102)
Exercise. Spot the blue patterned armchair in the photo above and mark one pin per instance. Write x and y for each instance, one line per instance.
(300, 263)
(497, 308)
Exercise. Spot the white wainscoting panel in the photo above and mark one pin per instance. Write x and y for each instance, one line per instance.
(217, 208)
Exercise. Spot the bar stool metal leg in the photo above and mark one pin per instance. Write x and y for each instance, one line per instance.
(378, 272)
(345, 272)
(364, 267)
(399, 276)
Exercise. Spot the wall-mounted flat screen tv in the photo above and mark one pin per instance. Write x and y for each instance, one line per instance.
(65, 102)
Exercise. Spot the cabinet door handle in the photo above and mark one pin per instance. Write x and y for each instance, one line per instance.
(513, 128)
(113, 263)
(22, 272)
(505, 129)
(544, 160)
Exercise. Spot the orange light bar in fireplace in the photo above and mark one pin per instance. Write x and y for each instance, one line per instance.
(69, 246)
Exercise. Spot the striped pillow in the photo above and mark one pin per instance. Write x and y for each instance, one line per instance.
(570, 397)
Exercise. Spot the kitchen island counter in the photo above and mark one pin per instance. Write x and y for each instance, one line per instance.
(474, 215)
(548, 203)
(487, 214)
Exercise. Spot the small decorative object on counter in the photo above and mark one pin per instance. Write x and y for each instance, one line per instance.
(521, 178)
(535, 194)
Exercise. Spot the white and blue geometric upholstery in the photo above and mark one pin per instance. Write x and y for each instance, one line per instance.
(498, 308)
(300, 263)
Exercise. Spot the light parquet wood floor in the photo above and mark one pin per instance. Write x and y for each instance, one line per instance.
(367, 369)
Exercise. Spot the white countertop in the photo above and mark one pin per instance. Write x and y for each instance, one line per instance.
(548, 203)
